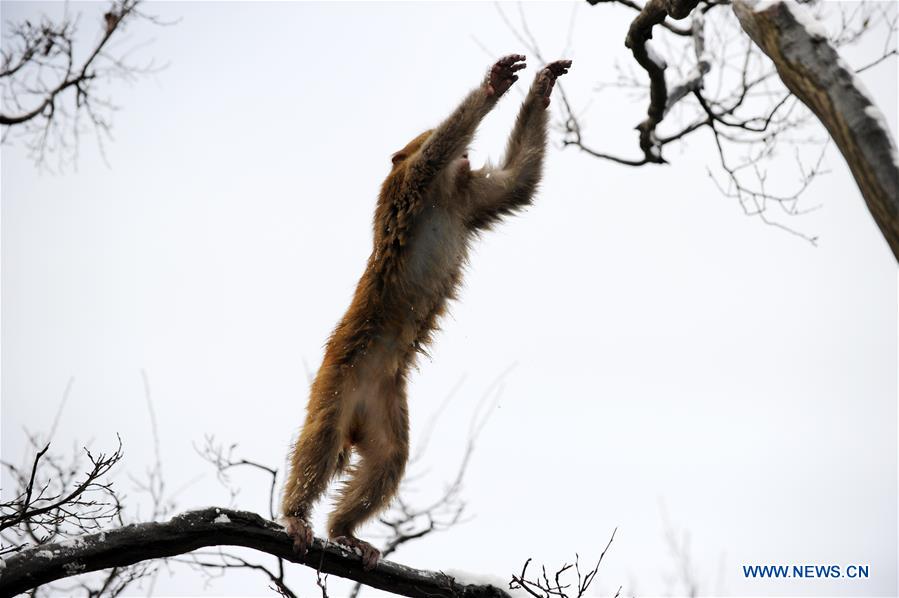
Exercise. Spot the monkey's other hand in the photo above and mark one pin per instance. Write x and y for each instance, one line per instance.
(502, 75)
(301, 534)
(370, 554)
(546, 79)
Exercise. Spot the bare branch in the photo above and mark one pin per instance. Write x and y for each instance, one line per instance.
(812, 70)
(555, 587)
(47, 91)
(745, 104)
(78, 505)
(223, 460)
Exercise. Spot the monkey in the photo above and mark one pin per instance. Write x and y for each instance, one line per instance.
(430, 207)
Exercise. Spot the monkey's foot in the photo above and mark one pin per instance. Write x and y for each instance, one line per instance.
(301, 534)
(502, 74)
(546, 78)
(370, 554)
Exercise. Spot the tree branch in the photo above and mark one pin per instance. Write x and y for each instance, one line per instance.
(638, 36)
(812, 70)
(50, 95)
(633, 5)
(71, 79)
(189, 531)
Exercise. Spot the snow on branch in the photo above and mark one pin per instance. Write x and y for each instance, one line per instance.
(213, 526)
(813, 71)
(638, 36)
(721, 81)
(63, 526)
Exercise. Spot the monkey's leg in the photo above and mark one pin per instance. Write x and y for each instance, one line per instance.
(374, 483)
(384, 450)
(314, 461)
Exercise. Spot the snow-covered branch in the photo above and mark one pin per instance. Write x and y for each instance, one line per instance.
(189, 531)
(813, 71)
(638, 36)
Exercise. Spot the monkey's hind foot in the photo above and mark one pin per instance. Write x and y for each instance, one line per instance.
(370, 554)
(301, 534)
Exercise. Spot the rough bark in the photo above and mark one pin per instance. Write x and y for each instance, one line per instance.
(638, 35)
(216, 527)
(813, 71)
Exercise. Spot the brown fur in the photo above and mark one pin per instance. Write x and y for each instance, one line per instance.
(429, 208)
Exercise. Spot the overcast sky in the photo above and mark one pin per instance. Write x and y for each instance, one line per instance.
(671, 359)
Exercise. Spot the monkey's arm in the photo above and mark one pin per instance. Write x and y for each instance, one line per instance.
(499, 191)
(452, 137)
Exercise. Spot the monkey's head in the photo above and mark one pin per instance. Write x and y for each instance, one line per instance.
(460, 165)
(411, 148)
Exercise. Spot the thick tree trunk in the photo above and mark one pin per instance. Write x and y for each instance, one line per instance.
(812, 69)
(216, 527)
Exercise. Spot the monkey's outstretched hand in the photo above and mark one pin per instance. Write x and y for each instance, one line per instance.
(301, 534)
(546, 79)
(502, 75)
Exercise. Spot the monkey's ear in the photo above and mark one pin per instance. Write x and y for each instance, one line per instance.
(397, 158)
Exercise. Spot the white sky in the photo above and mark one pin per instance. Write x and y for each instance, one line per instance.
(673, 356)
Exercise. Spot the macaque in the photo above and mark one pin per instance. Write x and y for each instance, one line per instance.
(430, 207)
